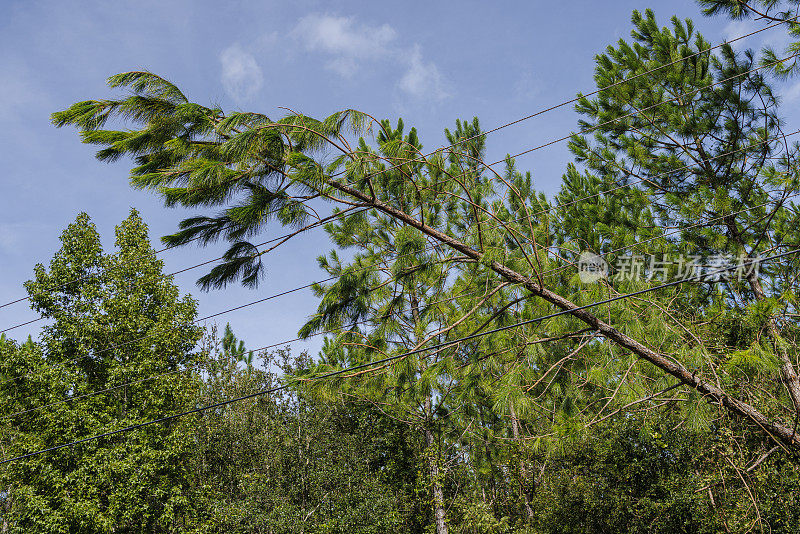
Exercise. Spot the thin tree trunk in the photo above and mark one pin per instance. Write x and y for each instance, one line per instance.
(6, 508)
(787, 368)
(432, 456)
(788, 372)
(525, 484)
(431, 451)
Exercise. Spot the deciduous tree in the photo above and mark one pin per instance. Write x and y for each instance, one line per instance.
(115, 320)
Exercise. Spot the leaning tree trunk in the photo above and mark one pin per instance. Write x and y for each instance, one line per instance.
(774, 428)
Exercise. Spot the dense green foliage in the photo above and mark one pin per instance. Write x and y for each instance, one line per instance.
(672, 411)
(115, 320)
(311, 460)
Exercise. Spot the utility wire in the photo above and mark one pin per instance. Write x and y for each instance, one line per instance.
(555, 270)
(199, 367)
(498, 128)
(543, 211)
(546, 273)
(528, 151)
(437, 347)
(540, 212)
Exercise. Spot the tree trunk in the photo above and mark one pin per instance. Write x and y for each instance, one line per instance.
(6, 509)
(431, 451)
(788, 372)
(667, 364)
(526, 485)
(787, 368)
(432, 455)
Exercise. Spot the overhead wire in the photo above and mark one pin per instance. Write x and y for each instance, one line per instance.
(632, 113)
(437, 347)
(493, 130)
(585, 130)
(546, 273)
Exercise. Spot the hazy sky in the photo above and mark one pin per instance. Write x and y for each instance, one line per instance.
(426, 62)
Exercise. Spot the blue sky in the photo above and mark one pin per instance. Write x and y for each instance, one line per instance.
(426, 62)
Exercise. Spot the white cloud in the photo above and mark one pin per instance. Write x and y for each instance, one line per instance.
(422, 79)
(241, 76)
(776, 38)
(350, 45)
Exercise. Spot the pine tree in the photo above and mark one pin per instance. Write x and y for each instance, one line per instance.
(264, 170)
(714, 163)
(392, 298)
(783, 63)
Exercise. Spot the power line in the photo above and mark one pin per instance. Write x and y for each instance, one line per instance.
(597, 91)
(540, 212)
(137, 258)
(195, 266)
(299, 288)
(437, 347)
(547, 273)
(505, 125)
(676, 231)
(195, 367)
(557, 207)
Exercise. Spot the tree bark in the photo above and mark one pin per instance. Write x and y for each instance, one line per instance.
(525, 483)
(432, 455)
(788, 372)
(431, 451)
(711, 392)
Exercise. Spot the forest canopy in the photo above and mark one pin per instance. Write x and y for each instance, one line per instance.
(619, 357)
